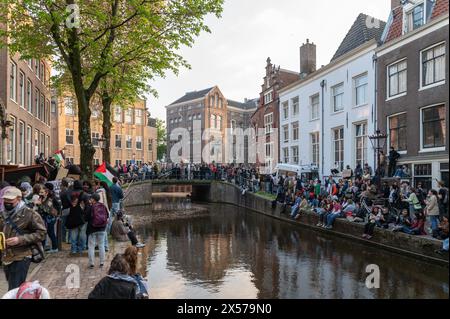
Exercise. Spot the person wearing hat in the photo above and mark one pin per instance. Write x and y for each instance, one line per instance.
(22, 227)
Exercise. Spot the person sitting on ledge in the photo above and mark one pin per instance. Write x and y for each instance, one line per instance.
(122, 231)
(335, 213)
(375, 215)
(402, 220)
(417, 227)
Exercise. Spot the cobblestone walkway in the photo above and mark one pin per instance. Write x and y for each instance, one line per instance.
(58, 268)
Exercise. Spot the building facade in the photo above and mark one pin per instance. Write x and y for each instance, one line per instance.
(327, 116)
(267, 114)
(413, 75)
(202, 118)
(25, 100)
(133, 135)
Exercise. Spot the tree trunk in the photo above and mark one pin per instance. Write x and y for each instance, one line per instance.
(106, 126)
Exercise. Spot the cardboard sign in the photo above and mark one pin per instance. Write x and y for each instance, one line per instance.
(62, 173)
(346, 173)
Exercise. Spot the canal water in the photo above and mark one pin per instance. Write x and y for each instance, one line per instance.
(233, 253)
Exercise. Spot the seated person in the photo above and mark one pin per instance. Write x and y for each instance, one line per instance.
(28, 290)
(403, 220)
(358, 215)
(121, 231)
(324, 209)
(417, 227)
(375, 215)
(385, 219)
(335, 213)
(442, 231)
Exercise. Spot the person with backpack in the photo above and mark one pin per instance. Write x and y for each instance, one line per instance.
(24, 230)
(96, 216)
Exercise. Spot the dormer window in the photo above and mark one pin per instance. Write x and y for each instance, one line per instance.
(415, 18)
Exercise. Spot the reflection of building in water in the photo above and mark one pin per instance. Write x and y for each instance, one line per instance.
(199, 252)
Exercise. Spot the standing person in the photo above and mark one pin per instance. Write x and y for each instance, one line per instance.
(443, 199)
(414, 203)
(64, 196)
(48, 208)
(75, 224)
(382, 165)
(393, 158)
(433, 210)
(22, 228)
(116, 196)
(97, 218)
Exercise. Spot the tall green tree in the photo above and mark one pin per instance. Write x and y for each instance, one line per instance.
(161, 138)
(82, 35)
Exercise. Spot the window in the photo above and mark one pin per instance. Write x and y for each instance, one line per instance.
(295, 106)
(338, 147)
(415, 18)
(53, 105)
(12, 141)
(268, 123)
(95, 139)
(41, 70)
(13, 82)
(129, 142)
(42, 108)
(118, 141)
(315, 148)
(30, 63)
(433, 127)
(286, 133)
(314, 102)
(129, 116)
(268, 97)
(397, 132)
(219, 122)
(286, 110)
(47, 139)
(212, 123)
(361, 143)
(69, 136)
(138, 114)
(29, 96)
(36, 143)
(118, 114)
(96, 162)
(21, 142)
(295, 131)
(36, 67)
(423, 174)
(286, 155)
(29, 145)
(118, 163)
(47, 112)
(139, 142)
(338, 97)
(22, 89)
(69, 108)
(433, 65)
(360, 84)
(233, 126)
(150, 144)
(295, 155)
(269, 150)
(211, 101)
(397, 76)
(41, 143)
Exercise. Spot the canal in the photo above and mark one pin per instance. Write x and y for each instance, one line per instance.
(234, 253)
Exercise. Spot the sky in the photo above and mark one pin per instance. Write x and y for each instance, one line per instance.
(233, 56)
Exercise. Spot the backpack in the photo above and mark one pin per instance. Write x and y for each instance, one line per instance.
(99, 215)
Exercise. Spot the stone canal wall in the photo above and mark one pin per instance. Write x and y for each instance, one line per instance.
(419, 247)
(415, 246)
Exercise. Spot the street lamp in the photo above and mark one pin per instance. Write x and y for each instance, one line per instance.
(378, 141)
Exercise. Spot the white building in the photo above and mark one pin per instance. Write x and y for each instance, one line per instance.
(326, 117)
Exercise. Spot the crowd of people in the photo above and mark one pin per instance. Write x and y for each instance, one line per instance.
(36, 219)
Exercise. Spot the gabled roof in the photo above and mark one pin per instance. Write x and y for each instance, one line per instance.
(361, 32)
(394, 29)
(250, 104)
(190, 96)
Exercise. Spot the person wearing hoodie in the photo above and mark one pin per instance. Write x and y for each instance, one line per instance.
(75, 223)
(118, 284)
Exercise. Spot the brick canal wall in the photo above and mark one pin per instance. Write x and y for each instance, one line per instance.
(415, 246)
(218, 192)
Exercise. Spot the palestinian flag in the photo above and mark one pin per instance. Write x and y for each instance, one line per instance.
(104, 175)
(59, 157)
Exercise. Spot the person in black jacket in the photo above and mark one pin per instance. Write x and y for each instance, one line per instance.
(76, 224)
(118, 284)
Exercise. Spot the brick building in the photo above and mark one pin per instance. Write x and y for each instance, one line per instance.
(267, 114)
(133, 135)
(25, 101)
(412, 80)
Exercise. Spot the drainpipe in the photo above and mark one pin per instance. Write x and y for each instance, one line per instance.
(322, 85)
(375, 103)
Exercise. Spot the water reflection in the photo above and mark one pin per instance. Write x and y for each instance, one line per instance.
(234, 254)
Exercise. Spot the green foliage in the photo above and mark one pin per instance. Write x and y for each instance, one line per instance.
(161, 138)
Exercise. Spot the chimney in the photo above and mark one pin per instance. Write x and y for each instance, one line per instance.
(395, 4)
(307, 58)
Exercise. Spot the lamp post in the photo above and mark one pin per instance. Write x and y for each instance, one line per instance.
(378, 141)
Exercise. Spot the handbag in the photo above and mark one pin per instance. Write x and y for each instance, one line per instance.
(37, 252)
